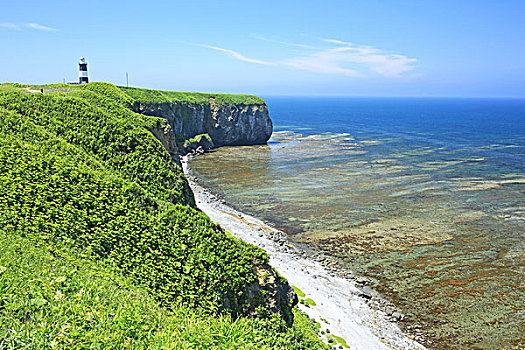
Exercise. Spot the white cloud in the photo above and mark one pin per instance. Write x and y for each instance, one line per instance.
(19, 27)
(339, 42)
(263, 38)
(11, 26)
(40, 27)
(326, 62)
(340, 57)
(349, 59)
(235, 54)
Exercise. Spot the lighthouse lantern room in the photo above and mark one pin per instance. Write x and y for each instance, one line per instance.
(82, 71)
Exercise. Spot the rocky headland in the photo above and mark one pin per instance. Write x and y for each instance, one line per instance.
(206, 120)
(87, 180)
(162, 216)
(344, 304)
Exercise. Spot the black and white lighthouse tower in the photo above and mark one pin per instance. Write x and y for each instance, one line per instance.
(82, 71)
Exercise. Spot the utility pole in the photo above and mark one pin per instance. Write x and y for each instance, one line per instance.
(127, 80)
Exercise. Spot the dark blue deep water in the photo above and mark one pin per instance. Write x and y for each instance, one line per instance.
(425, 196)
(489, 127)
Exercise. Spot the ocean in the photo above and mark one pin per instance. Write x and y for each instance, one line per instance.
(424, 196)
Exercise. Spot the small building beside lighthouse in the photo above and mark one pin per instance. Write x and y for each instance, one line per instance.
(82, 71)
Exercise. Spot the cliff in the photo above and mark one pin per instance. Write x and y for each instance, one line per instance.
(163, 132)
(84, 173)
(228, 119)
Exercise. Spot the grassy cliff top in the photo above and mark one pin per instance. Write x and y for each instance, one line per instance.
(85, 185)
(157, 96)
(81, 169)
(148, 95)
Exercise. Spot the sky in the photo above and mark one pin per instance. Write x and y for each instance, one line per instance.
(467, 48)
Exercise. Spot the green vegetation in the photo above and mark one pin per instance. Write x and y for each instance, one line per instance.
(96, 119)
(299, 292)
(50, 299)
(301, 295)
(95, 178)
(308, 329)
(100, 242)
(307, 302)
(336, 341)
(203, 140)
(146, 96)
(341, 341)
(198, 138)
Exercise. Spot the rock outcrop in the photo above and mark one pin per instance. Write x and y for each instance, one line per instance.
(226, 124)
(163, 132)
(197, 145)
(269, 290)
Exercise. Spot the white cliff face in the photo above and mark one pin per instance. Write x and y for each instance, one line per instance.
(227, 124)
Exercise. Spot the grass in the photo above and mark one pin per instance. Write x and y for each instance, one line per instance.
(341, 341)
(101, 245)
(54, 299)
(82, 170)
(301, 295)
(308, 328)
(299, 292)
(309, 302)
(146, 96)
(198, 140)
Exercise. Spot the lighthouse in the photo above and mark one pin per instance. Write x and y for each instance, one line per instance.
(82, 71)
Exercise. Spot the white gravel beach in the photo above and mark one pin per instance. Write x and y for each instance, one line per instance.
(341, 306)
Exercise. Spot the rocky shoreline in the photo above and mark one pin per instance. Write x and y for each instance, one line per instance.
(342, 303)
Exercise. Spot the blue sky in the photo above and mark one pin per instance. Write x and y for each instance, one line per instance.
(337, 48)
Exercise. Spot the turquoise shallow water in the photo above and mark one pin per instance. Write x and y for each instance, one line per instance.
(424, 196)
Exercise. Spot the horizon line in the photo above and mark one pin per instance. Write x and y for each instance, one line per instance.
(394, 96)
